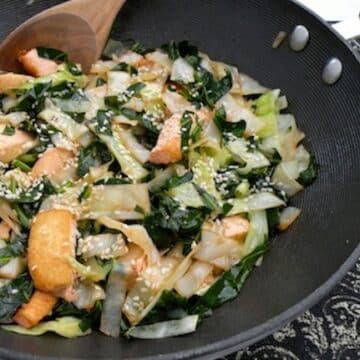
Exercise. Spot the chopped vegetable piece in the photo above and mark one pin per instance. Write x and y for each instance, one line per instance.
(52, 239)
(39, 306)
(165, 329)
(67, 326)
(115, 297)
(37, 65)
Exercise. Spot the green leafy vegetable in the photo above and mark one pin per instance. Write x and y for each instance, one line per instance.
(168, 223)
(273, 218)
(227, 287)
(94, 154)
(140, 48)
(206, 89)
(267, 110)
(21, 165)
(103, 122)
(52, 54)
(23, 217)
(8, 130)
(90, 319)
(125, 67)
(186, 123)
(33, 99)
(115, 103)
(13, 249)
(209, 200)
(176, 181)
(13, 295)
(34, 193)
(308, 176)
(150, 131)
(130, 114)
(85, 193)
(180, 49)
(230, 283)
(228, 128)
(74, 69)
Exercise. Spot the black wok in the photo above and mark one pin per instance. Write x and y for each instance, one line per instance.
(303, 263)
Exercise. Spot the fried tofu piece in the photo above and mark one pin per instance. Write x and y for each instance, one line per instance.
(12, 146)
(4, 231)
(235, 227)
(39, 306)
(51, 243)
(168, 146)
(57, 164)
(11, 81)
(36, 65)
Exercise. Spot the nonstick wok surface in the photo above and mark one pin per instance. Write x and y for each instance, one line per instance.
(302, 263)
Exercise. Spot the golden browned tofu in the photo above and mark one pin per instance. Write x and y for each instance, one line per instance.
(11, 81)
(4, 231)
(51, 243)
(12, 146)
(168, 146)
(236, 227)
(35, 65)
(57, 164)
(39, 306)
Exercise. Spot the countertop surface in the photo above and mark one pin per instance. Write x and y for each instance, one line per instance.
(330, 330)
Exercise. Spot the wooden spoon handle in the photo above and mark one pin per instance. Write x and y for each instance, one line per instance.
(99, 14)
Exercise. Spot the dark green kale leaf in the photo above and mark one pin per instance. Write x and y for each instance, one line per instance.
(13, 295)
(73, 68)
(130, 113)
(103, 122)
(207, 90)
(13, 249)
(52, 54)
(113, 181)
(33, 100)
(236, 129)
(93, 155)
(185, 123)
(168, 223)
(116, 102)
(34, 194)
(149, 132)
(126, 68)
(89, 319)
(273, 218)
(181, 49)
(140, 48)
(308, 176)
(8, 130)
(176, 181)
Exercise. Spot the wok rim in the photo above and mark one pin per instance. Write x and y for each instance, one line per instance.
(254, 334)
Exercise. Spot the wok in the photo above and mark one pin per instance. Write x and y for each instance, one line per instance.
(303, 263)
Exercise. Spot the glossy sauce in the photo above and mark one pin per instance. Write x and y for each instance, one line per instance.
(299, 38)
(332, 71)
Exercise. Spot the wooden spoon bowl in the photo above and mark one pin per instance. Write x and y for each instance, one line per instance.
(78, 27)
(55, 31)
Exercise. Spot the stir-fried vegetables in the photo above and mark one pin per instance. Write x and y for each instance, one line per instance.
(139, 197)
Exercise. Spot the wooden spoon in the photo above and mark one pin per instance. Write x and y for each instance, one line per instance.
(78, 27)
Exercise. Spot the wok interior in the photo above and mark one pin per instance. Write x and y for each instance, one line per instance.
(301, 259)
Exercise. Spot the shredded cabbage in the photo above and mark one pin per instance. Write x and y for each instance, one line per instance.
(165, 329)
(66, 326)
